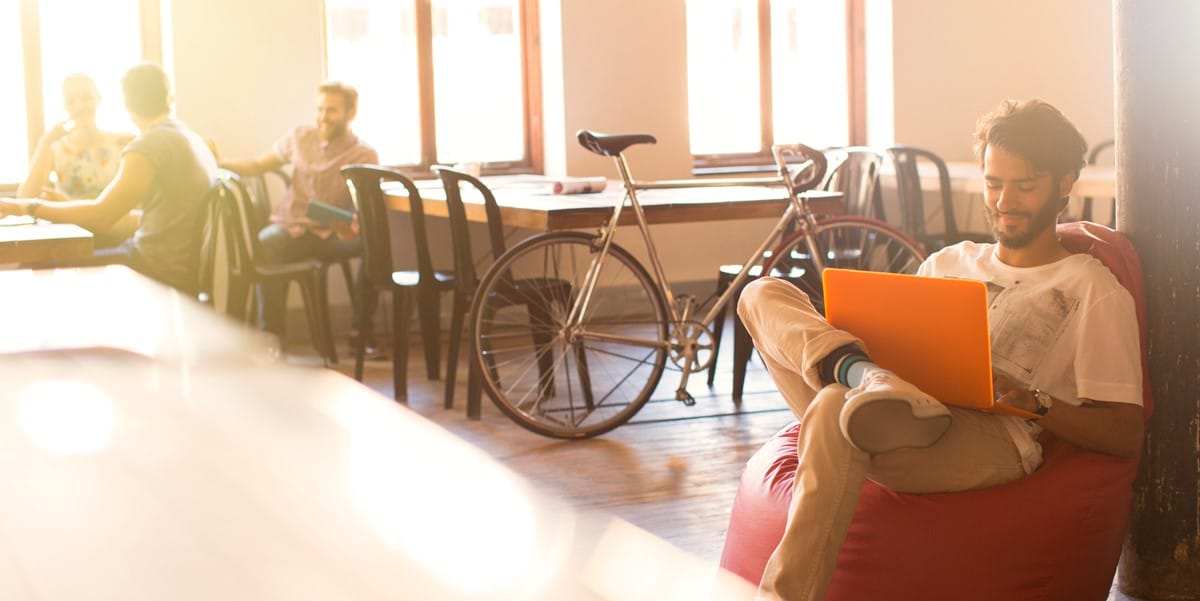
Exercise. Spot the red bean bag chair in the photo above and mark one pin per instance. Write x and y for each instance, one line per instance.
(1054, 535)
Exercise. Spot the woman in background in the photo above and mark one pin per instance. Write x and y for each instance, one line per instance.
(82, 157)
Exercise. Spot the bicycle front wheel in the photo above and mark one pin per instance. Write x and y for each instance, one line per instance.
(568, 378)
(845, 242)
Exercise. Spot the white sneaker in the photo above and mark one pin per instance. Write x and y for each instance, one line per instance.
(884, 413)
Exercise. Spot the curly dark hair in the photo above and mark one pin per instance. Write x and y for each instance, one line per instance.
(1035, 130)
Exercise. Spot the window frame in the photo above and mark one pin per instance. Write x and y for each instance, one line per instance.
(29, 12)
(531, 91)
(855, 80)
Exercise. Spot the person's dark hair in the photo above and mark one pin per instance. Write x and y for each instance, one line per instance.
(147, 90)
(347, 91)
(1035, 130)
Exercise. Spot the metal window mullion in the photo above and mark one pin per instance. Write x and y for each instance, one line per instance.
(531, 75)
(31, 42)
(150, 12)
(856, 72)
(424, 22)
(766, 100)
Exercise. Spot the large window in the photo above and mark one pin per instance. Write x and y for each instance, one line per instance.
(100, 39)
(767, 71)
(459, 83)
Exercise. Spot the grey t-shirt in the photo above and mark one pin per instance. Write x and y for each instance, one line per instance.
(167, 243)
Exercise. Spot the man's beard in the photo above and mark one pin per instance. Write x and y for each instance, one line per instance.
(1045, 217)
(332, 131)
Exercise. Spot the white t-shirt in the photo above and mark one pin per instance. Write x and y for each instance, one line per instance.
(1068, 328)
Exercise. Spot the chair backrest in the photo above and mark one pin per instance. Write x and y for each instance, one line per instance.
(236, 210)
(1093, 156)
(854, 171)
(464, 258)
(208, 242)
(906, 161)
(259, 187)
(366, 190)
(1117, 253)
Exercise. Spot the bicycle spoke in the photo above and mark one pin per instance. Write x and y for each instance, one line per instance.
(558, 384)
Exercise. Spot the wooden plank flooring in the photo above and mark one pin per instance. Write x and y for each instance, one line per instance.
(672, 470)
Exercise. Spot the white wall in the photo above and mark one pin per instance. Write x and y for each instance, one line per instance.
(246, 70)
(956, 60)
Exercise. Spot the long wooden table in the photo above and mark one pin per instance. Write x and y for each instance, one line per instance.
(526, 201)
(24, 240)
(152, 450)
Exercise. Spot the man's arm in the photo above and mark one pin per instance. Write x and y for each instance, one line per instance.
(251, 167)
(1104, 427)
(133, 181)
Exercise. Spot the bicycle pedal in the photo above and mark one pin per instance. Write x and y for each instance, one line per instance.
(685, 397)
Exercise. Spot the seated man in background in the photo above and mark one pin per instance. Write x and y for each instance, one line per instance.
(167, 171)
(317, 153)
(1064, 332)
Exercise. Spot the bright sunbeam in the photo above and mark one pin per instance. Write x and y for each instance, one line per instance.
(450, 511)
(66, 417)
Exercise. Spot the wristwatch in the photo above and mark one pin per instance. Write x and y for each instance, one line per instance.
(1044, 400)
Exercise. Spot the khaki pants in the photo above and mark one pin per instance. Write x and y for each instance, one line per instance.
(793, 338)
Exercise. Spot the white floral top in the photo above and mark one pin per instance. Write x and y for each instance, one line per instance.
(83, 173)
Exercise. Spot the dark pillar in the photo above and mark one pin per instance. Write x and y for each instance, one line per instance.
(1157, 66)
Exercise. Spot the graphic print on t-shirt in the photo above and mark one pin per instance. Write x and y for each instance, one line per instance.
(1026, 324)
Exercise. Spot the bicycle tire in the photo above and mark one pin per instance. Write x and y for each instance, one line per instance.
(551, 381)
(847, 242)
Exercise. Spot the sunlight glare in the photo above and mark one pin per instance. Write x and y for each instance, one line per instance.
(66, 417)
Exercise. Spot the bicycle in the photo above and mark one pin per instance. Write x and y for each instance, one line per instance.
(571, 333)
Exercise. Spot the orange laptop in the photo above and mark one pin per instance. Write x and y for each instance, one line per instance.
(933, 332)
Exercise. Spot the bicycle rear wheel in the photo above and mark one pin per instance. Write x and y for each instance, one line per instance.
(560, 380)
(845, 242)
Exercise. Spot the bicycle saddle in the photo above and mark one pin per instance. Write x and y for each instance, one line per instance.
(610, 145)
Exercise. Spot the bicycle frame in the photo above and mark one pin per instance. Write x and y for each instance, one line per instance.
(796, 212)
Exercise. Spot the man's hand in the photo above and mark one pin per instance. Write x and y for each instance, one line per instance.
(1012, 393)
(49, 193)
(9, 206)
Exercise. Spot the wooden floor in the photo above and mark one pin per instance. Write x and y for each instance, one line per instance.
(673, 470)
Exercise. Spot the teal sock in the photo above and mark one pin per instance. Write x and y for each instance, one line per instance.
(851, 368)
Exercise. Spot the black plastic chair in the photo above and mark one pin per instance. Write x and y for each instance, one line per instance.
(424, 285)
(854, 171)
(260, 216)
(467, 266)
(1093, 158)
(910, 193)
(209, 243)
(235, 207)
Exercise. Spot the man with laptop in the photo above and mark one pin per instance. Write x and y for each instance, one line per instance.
(1065, 358)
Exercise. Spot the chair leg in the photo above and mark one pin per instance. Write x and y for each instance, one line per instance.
(457, 316)
(401, 318)
(236, 292)
(718, 327)
(742, 347)
(322, 299)
(349, 277)
(366, 324)
(474, 384)
(309, 288)
(431, 331)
